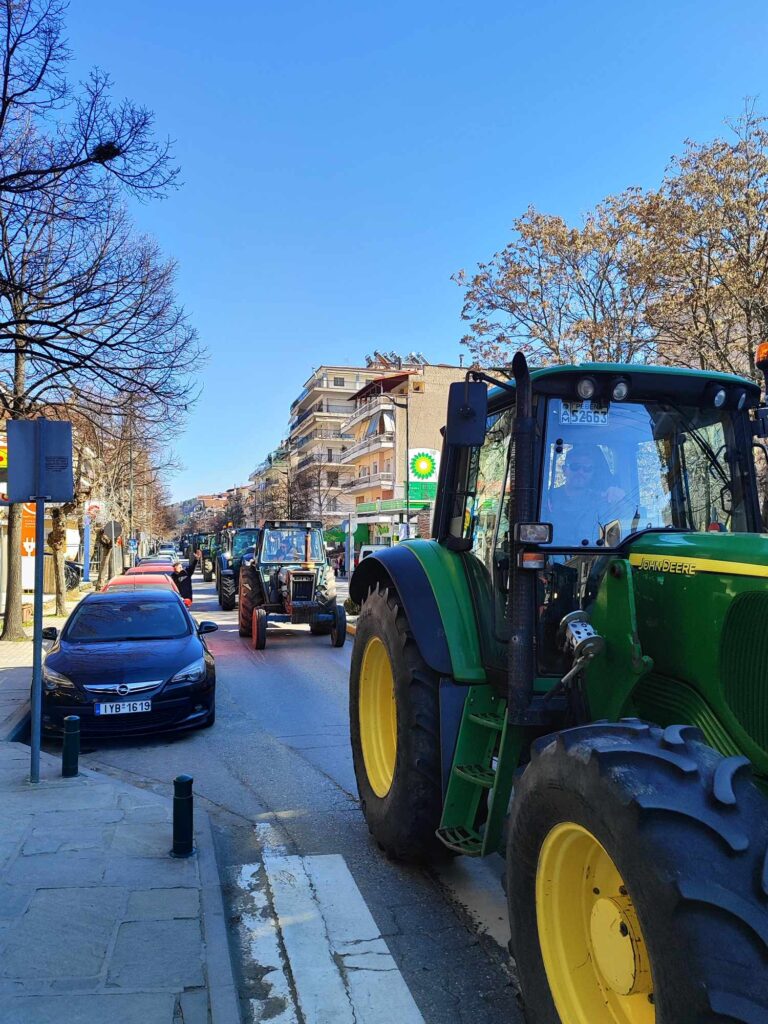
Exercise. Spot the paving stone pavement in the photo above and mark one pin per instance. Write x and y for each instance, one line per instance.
(98, 925)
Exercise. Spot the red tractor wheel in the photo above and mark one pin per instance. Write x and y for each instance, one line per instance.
(259, 629)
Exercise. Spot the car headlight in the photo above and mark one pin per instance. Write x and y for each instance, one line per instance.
(193, 672)
(56, 681)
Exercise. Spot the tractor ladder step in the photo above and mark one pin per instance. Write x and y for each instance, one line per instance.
(476, 773)
(487, 719)
(461, 840)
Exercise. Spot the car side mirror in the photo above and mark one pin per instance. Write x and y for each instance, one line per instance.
(467, 412)
(207, 627)
(50, 633)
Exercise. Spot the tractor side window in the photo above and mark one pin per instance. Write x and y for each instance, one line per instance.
(487, 514)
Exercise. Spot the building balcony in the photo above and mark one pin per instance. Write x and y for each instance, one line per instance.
(367, 407)
(337, 409)
(369, 444)
(319, 459)
(322, 435)
(383, 505)
(362, 483)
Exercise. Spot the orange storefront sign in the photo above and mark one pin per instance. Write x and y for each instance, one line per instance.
(28, 529)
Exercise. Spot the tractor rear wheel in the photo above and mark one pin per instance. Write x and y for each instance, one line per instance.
(228, 593)
(259, 629)
(395, 733)
(636, 880)
(245, 605)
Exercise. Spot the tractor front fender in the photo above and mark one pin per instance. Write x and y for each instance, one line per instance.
(431, 585)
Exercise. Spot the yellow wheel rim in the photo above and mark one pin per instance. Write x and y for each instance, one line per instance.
(378, 717)
(593, 948)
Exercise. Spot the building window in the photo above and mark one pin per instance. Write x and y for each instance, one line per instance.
(333, 479)
(338, 382)
(330, 454)
(388, 466)
(375, 467)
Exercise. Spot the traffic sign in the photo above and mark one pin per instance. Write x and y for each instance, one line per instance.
(40, 460)
(113, 529)
(133, 544)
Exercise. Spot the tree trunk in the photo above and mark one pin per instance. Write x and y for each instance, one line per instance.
(57, 541)
(105, 551)
(13, 628)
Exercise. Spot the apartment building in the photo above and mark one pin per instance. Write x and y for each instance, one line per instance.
(270, 482)
(392, 445)
(316, 439)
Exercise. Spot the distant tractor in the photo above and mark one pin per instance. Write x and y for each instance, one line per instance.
(287, 578)
(574, 674)
(202, 542)
(232, 546)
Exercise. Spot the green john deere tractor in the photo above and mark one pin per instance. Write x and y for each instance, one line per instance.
(573, 674)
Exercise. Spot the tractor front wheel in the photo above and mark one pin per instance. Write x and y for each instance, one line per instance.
(395, 733)
(259, 629)
(339, 627)
(228, 593)
(636, 880)
(245, 606)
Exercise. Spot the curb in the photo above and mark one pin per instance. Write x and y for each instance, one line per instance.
(222, 992)
(15, 725)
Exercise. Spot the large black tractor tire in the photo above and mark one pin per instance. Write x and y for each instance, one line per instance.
(339, 627)
(403, 817)
(684, 938)
(228, 593)
(326, 600)
(259, 629)
(245, 605)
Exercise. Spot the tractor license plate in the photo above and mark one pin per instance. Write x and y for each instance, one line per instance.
(583, 414)
(126, 707)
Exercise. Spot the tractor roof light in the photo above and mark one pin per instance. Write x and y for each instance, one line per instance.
(586, 387)
(715, 395)
(619, 391)
(761, 357)
(739, 398)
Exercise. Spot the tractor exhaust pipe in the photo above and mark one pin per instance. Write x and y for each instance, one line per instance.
(522, 586)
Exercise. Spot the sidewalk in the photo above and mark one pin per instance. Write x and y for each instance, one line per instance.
(98, 924)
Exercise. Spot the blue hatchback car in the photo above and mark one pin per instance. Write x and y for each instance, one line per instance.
(130, 663)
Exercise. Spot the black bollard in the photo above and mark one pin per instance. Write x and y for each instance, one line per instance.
(70, 748)
(182, 817)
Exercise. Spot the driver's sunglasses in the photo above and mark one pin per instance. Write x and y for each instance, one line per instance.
(579, 467)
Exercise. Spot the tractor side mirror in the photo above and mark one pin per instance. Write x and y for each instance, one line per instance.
(467, 412)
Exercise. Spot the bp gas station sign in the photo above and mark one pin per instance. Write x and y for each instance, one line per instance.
(423, 468)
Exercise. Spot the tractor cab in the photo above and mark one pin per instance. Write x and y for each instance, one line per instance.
(622, 459)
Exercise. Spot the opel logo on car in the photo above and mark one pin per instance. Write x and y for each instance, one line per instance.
(122, 689)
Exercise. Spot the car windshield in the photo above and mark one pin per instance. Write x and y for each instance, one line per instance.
(102, 621)
(244, 540)
(612, 469)
(289, 545)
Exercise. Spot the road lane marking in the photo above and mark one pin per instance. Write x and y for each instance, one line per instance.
(322, 945)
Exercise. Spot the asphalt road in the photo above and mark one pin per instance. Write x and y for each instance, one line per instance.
(275, 772)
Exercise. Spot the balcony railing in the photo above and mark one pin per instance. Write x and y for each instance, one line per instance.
(369, 444)
(391, 505)
(322, 409)
(371, 480)
(320, 459)
(328, 435)
(366, 407)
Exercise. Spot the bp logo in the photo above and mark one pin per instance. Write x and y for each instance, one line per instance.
(423, 466)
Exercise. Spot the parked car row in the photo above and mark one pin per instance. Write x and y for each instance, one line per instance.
(131, 660)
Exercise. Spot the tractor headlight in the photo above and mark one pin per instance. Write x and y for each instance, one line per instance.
(619, 391)
(586, 388)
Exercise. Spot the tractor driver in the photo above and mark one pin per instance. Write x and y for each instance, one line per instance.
(288, 550)
(588, 498)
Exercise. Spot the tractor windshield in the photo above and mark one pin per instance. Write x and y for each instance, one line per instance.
(290, 546)
(244, 539)
(612, 469)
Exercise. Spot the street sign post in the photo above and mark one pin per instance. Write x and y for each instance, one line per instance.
(39, 470)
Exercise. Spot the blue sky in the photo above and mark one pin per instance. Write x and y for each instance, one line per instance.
(341, 160)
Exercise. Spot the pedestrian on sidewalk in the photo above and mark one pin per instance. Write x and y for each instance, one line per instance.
(183, 579)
